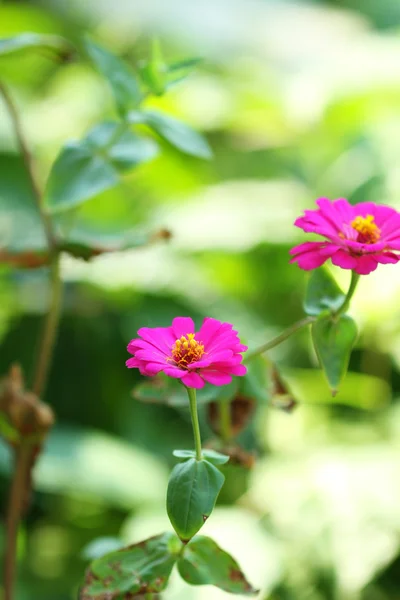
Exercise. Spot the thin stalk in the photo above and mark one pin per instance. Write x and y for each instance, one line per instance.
(195, 422)
(25, 452)
(29, 163)
(355, 277)
(49, 334)
(281, 337)
(23, 461)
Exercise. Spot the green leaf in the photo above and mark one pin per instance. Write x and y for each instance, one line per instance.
(178, 71)
(138, 569)
(26, 41)
(178, 134)
(100, 547)
(154, 70)
(193, 489)
(122, 80)
(323, 293)
(216, 458)
(203, 562)
(86, 168)
(333, 341)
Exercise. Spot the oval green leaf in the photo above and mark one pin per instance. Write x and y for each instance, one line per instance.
(178, 134)
(101, 546)
(333, 340)
(203, 562)
(86, 168)
(323, 293)
(143, 568)
(216, 458)
(121, 79)
(193, 489)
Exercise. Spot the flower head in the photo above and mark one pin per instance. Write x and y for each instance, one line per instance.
(357, 237)
(213, 354)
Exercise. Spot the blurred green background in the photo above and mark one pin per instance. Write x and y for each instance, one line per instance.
(297, 100)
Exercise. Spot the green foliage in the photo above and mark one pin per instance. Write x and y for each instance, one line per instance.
(101, 546)
(88, 167)
(178, 134)
(123, 82)
(323, 293)
(193, 489)
(203, 562)
(333, 340)
(143, 568)
(216, 458)
(32, 41)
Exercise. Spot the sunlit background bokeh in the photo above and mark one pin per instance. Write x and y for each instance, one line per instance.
(298, 100)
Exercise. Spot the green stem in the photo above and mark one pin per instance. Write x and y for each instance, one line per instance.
(225, 426)
(355, 277)
(23, 461)
(48, 337)
(195, 422)
(281, 337)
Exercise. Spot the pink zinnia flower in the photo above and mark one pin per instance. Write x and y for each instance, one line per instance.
(357, 237)
(213, 354)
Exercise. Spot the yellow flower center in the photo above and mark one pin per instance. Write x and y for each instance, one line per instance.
(187, 350)
(368, 230)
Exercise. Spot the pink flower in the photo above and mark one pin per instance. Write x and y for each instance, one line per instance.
(357, 237)
(213, 354)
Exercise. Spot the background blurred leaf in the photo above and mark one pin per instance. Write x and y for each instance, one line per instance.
(193, 489)
(180, 135)
(323, 293)
(26, 41)
(22, 239)
(101, 546)
(333, 341)
(86, 168)
(123, 82)
(203, 562)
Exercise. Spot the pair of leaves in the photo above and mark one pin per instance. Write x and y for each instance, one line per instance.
(333, 334)
(193, 490)
(145, 568)
(128, 96)
(95, 164)
(158, 76)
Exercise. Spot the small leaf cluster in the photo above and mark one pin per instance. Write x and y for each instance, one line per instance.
(98, 162)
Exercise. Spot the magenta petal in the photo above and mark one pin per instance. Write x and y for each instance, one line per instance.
(193, 380)
(160, 337)
(344, 260)
(174, 372)
(310, 259)
(182, 326)
(387, 258)
(238, 370)
(366, 264)
(208, 330)
(216, 377)
(154, 368)
(133, 363)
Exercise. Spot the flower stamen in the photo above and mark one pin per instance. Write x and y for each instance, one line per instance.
(187, 350)
(368, 231)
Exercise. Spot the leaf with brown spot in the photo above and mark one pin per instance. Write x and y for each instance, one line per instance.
(143, 568)
(203, 562)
